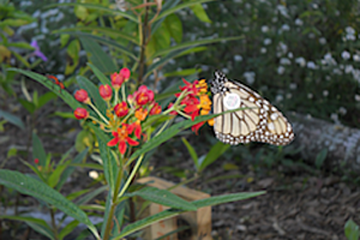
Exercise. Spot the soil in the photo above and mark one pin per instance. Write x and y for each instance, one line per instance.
(298, 205)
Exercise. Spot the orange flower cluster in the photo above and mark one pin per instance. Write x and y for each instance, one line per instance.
(196, 101)
(124, 116)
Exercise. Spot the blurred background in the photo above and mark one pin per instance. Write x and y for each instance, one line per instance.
(303, 56)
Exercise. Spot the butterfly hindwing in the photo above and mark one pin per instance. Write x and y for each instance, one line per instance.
(259, 121)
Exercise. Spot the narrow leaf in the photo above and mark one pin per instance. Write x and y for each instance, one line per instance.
(192, 152)
(215, 152)
(12, 119)
(163, 197)
(38, 150)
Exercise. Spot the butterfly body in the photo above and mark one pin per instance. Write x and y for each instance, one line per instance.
(258, 121)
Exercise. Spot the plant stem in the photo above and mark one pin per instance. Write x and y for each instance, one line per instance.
(143, 46)
(53, 223)
(113, 203)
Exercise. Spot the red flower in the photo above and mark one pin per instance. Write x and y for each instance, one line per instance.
(121, 109)
(117, 80)
(192, 88)
(143, 95)
(105, 92)
(81, 113)
(195, 128)
(36, 161)
(156, 109)
(192, 106)
(141, 115)
(82, 96)
(125, 73)
(121, 138)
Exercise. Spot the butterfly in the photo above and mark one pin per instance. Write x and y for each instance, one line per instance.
(258, 122)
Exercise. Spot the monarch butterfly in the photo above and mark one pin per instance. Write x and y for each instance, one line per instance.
(259, 122)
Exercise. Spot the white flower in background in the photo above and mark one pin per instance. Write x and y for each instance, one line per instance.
(274, 19)
(246, 29)
(328, 60)
(311, 35)
(225, 70)
(357, 98)
(322, 41)
(299, 22)
(356, 58)
(356, 74)
(350, 33)
(293, 86)
(335, 118)
(279, 98)
(301, 61)
(238, 58)
(285, 61)
(311, 65)
(349, 68)
(290, 55)
(337, 71)
(93, 174)
(225, 24)
(315, 6)
(283, 11)
(328, 78)
(121, 5)
(285, 27)
(249, 77)
(282, 49)
(342, 110)
(325, 93)
(345, 55)
(288, 95)
(310, 95)
(264, 29)
(263, 50)
(205, 6)
(267, 41)
(238, 1)
(25, 3)
(280, 70)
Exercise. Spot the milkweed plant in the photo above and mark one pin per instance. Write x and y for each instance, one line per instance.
(127, 124)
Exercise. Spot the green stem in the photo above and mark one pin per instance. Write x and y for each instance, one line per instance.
(53, 224)
(99, 113)
(113, 202)
(143, 46)
(133, 172)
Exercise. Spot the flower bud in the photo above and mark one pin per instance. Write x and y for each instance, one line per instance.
(125, 73)
(82, 96)
(105, 92)
(116, 80)
(156, 109)
(81, 113)
(143, 95)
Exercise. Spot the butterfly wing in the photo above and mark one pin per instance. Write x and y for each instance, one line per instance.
(258, 122)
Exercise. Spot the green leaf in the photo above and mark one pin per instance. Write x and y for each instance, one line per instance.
(12, 119)
(38, 150)
(69, 228)
(102, 78)
(98, 7)
(88, 197)
(167, 5)
(183, 73)
(93, 92)
(97, 55)
(200, 13)
(64, 95)
(179, 7)
(320, 158)
(64, 114)
(140, 224)
(169, 133)
(70, 170)
(174, 27)
(29, 106)
(159, 40)
(38, 225)
(192, 44)
(215, 152)
(352, 231)
(113, 33)
(56, 174)
(108, 42)
(192, 152)
(163, 197)
(37, 189)
(45, 98)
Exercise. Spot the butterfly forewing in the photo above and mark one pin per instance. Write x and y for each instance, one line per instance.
(259, 121)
